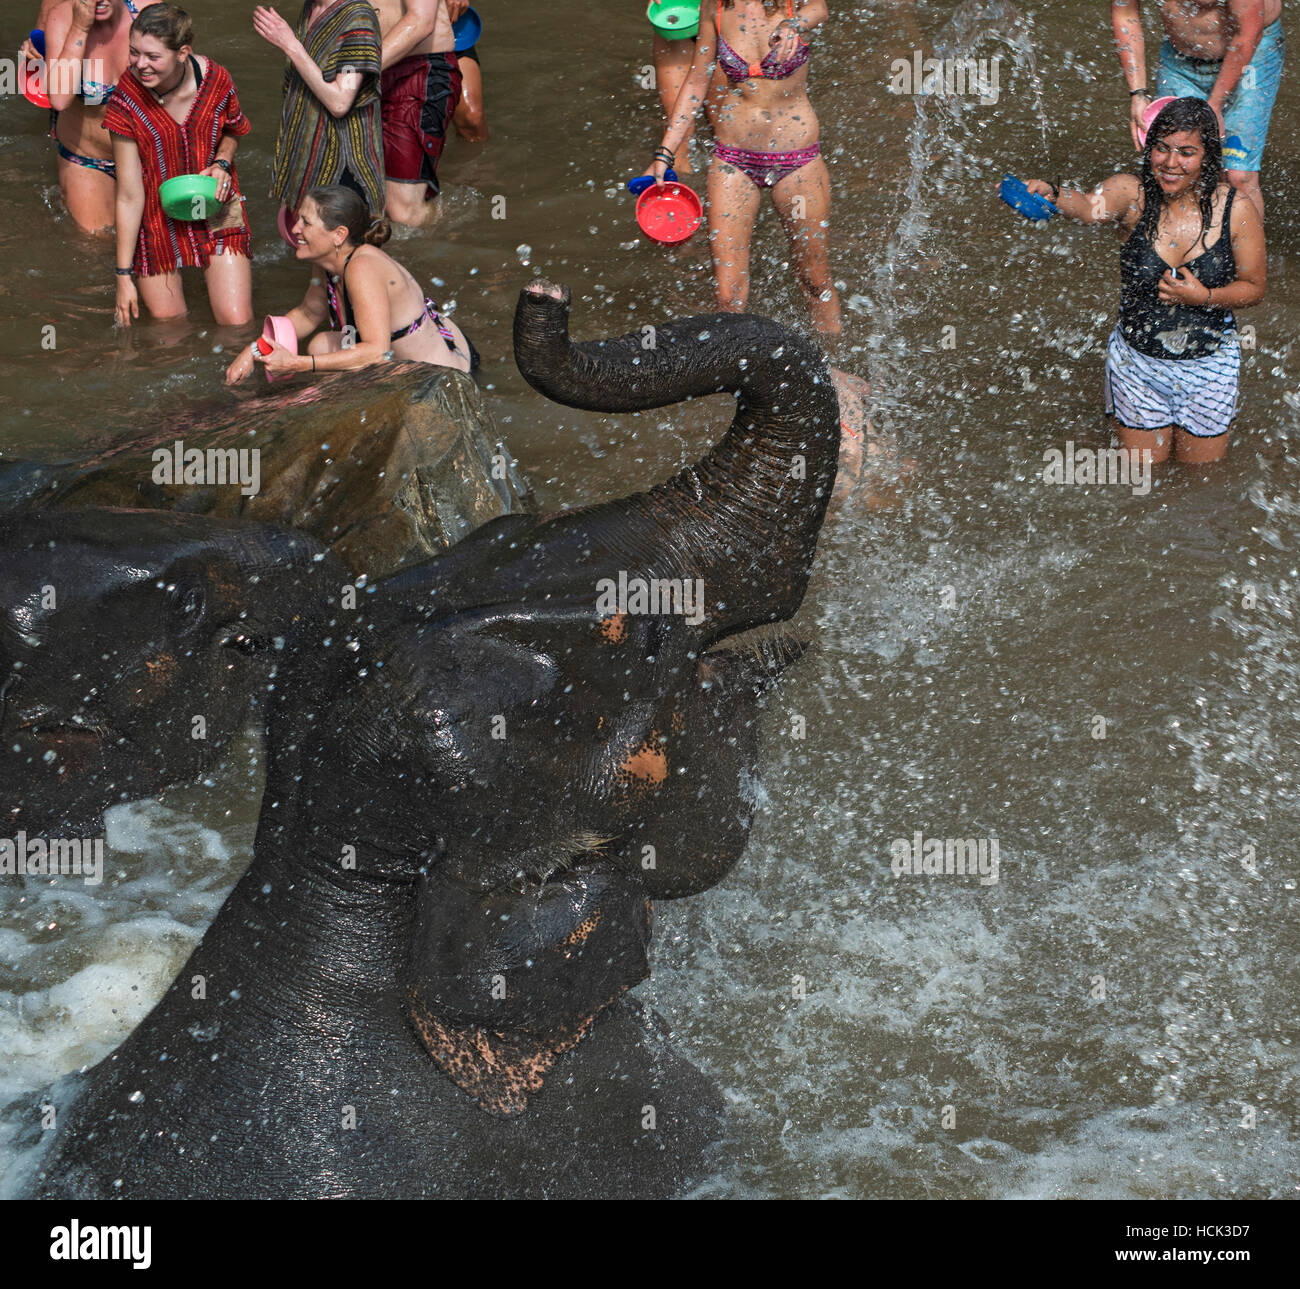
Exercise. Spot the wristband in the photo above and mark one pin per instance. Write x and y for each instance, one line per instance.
(1143, 90)
(124, 272)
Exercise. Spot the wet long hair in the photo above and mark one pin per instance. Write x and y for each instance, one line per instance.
(1182, 114)
(342, 207)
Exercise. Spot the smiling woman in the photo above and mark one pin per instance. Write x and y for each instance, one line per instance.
(1191, 255)
(87, 43)
(176, 113)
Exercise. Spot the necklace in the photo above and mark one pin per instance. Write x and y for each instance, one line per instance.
(180, 80)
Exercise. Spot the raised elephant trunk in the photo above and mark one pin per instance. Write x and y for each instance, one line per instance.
(746, 517)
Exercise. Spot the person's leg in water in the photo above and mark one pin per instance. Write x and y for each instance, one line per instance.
(672, 63)
(229, 279)
(733, 206)
(1158, 442)
(421, 97)
(803, 200)
(90, 197)
(162, 295)
(1199, 449)
(470, 119)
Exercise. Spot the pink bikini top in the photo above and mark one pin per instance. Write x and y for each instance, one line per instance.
(738, 70)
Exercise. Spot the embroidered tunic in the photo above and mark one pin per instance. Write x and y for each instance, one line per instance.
(169, 148)
(315, 147)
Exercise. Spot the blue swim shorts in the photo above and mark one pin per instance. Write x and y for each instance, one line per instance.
(1249, 106)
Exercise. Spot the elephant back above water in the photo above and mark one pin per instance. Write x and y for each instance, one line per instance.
(466, 772)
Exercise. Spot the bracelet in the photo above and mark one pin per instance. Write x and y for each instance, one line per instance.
(665, 154)
(124, 272)
(1143, 90)
(1209, 296)
(313, 363)
(1056, 192)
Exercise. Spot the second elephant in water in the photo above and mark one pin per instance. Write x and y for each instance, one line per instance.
(478, 782)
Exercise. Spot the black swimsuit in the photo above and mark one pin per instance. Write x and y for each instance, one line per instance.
(1162, 330)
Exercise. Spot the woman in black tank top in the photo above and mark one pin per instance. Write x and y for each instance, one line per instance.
(1191, 256)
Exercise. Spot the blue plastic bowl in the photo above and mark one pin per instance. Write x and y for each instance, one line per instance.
(467, 29)
(1022, 201)
(37, 37)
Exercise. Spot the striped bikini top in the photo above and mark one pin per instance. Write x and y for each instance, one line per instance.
(739, 71)
(97, 93)
(340, 307)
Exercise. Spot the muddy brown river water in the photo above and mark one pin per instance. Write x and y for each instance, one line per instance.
(1103, 683)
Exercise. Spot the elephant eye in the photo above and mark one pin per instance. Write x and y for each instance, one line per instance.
(189, 605)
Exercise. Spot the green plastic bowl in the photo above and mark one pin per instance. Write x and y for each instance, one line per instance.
(189, 197)
(674, 19)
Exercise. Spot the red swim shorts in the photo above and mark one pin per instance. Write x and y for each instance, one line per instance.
(418, 97)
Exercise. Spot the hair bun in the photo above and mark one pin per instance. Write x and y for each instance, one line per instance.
(378, 231)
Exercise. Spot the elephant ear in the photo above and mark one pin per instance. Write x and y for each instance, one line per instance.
(502, 984)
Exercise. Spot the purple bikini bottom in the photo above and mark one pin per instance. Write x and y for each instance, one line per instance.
(766, 169)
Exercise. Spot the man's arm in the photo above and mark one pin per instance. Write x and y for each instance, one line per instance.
(1130, 44)
(1249, 18)
(419, 17)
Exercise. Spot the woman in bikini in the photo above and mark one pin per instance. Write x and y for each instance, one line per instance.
(174, 113)
(1191, 255)
(86, 41)
(751, 62)
(373, 307)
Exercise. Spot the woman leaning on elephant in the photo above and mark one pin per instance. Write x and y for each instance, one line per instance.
(373, 307)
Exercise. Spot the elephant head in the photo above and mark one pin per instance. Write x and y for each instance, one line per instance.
(126, 652)
(553, 744)
(479, 780)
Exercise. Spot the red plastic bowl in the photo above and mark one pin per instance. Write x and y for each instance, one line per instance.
(669, 214)
(32, 84)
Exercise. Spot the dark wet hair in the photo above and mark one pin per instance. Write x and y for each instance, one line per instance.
(1193, 114)
(341, 207)
(167, 23)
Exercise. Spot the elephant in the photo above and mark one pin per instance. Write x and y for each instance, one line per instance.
(385, 472)
(126, 653)
(480, 780)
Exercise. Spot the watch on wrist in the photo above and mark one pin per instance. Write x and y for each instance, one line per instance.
(223, 163)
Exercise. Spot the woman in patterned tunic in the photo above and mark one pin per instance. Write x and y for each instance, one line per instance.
(330, 130)
(173, 113)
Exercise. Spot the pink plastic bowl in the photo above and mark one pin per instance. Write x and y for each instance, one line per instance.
(281, 331)
(669, 214)
(1149, 116)
(31, 81)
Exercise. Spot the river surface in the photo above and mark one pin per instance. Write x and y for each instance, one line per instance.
(1105, 683)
